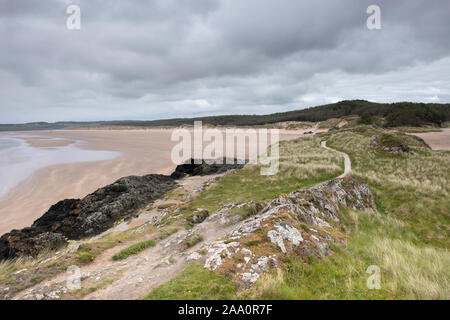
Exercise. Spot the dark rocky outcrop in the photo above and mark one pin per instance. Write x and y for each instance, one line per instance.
(29, 242)
(80, 218)
(206, 167)
(98, 211)
(74, 219)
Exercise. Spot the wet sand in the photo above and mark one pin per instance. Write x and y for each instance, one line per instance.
(48, 143)
(143, 152)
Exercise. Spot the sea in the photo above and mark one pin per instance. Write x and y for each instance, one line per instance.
(18, 160)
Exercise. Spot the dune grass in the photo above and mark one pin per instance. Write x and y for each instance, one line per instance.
(134, 249)
(413, 187)
(9, 268)
(302, 164)
(411, 241)
(195, 283)
(408, 271)
(407, 238)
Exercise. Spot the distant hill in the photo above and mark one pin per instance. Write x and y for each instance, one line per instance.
(390, 114)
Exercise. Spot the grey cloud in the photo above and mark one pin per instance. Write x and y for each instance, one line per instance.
(165, 58)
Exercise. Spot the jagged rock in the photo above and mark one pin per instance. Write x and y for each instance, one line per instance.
(249, 277)
(264, 263)
(185, 241)
(142, 227)
(285, 224)
(223, 215)
(76, 219)
(196, 167)
(219, 250)
(283, 231)
(29, 242)
(194, 256)
(98, 211)
(157, 219)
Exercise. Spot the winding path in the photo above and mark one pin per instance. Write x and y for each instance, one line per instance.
(347, 161)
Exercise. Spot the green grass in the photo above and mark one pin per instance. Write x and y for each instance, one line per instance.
(193, 240)
(167, 233)
(134, 249)
(87, 252)
(407, 238)
(412, 187)
(408, 271)
(340, 276)
(248, 209)
(302, 164)
(195, 283)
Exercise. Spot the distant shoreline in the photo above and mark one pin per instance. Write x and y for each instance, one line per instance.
(393, 114)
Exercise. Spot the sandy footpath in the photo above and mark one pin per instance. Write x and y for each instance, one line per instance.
(143, 152)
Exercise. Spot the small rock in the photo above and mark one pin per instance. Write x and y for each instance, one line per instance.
(200, 216)
(283, 231)
(194, 256)
(20, 271)
(249, 277)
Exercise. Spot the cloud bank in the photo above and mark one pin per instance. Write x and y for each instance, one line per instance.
(166, 58)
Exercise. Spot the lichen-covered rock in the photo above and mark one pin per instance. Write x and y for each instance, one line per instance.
(282, 231)
(219, 250)
(300, 223)
(194, 256)
(249, 277)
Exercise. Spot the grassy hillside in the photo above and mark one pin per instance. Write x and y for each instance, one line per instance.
(389, 115)
(407, 238)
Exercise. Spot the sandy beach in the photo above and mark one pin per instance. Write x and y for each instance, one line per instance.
(436, 140)
(142, 152)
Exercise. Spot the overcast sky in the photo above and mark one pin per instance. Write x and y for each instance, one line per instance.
(166, 58)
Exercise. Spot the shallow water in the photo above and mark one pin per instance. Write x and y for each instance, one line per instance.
(18, 160)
